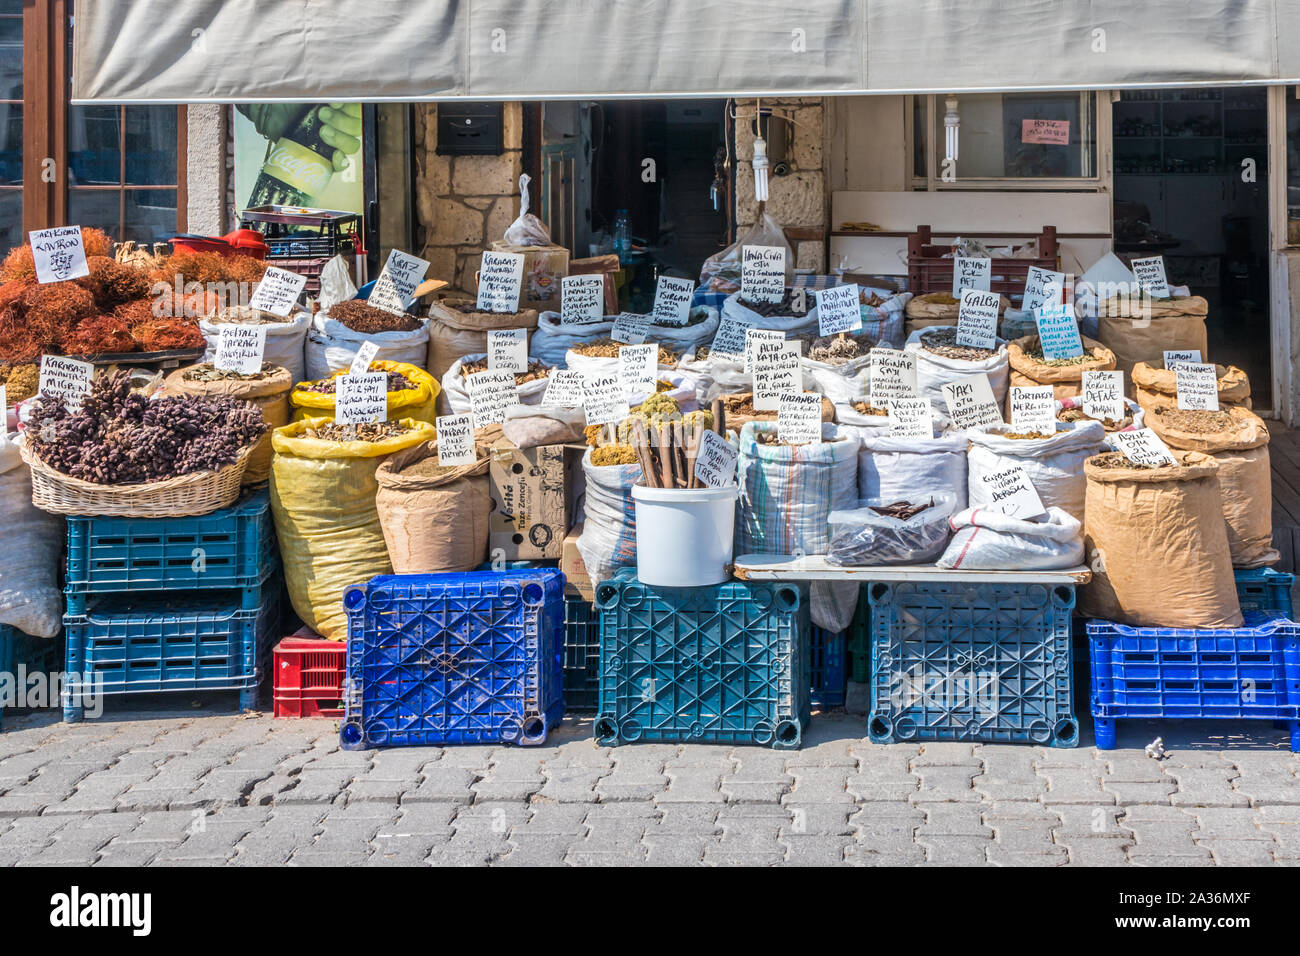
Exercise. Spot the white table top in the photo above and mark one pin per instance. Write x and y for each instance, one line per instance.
(814, 567)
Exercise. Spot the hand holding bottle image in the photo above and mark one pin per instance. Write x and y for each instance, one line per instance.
(307, 146)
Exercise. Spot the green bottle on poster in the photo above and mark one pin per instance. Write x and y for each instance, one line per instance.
(297, 168)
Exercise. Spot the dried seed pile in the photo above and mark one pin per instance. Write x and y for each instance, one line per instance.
(785, 307)
(369, 432)
(1077, 415)
(536, 370)
(397, 382)
(207, 372)
(1117, 459)
(366, 319)
(20, 381)
(1198, 421)
(1036, 354)
(943, 341)
(608, 348)
(862, 408)
(1027, 435)
(837, 350)
(246, 315)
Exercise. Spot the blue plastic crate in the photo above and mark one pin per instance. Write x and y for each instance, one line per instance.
(1250, 672)
(581, 656)
(724, 664)
(828, 664)
(22, 655)
(977, 662)
(169, 641)
(454, 658)
(1263, 589)
(233, 548)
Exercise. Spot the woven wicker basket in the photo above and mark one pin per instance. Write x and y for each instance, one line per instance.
(195, 494)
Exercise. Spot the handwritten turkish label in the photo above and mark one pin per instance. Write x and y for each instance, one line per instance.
(838, 309)
(58, 253)
(1177, 357)
(1011, 492)
(563, 388)
(971, 402)
(911, 418)
(1033, 408)
(970, 272)
(240, 348)
(729, 342)
(365, 355)
(977, 320)
(1198, 387)
(456, 440)
(603, 399)
(638, 366)
(1151, 277)
(673, 301)
(1102, 397)
(500, 277)
(1058, 332)
(776, 373)
(394, 290)
(360, 399)
(1142, 447)
(799, 418)
(1042, 286)
(762, 273)
(630, 328)
(715, 467)
(1046, 132)
(891, 375)
(582, 299)
(753, 338)
(507, 349)
(65, 378)
(490, 395)
(278, 291)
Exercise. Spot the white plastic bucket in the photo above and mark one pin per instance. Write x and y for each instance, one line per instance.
(684, 535)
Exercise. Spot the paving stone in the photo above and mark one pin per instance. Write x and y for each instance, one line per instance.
(948, 820)
(676, 849)
(945, 784)
(1205, 787)
(1220, 823)
(1009, 774)
(1130, 794)
(947, 754)
(815, 849)
(1262, 788)
(1096, 852)
(861, 855)
(1239, 852)
(1077, 785)
(955, 850)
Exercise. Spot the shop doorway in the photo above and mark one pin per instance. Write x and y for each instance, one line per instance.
(1191, 184)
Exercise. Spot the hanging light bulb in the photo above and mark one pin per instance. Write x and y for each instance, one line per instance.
(760, 169)
(951, 128)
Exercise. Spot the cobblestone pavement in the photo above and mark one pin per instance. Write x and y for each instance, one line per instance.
(203, 787)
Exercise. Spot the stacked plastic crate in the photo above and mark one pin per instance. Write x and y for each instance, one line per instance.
(171, 604)
(21, 656)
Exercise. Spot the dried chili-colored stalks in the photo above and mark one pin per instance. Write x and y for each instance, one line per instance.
(18, 341)
(166, 333)
(205, 267)
(19, 263)
(98, 335)
(53, 310)
(112, 284)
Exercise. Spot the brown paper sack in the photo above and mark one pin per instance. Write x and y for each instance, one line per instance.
(433, 522)
(1155, 385)
(1066, 380)
(454, 334)
(1173, 324)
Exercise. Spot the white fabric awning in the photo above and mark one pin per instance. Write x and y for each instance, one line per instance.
(229, 51)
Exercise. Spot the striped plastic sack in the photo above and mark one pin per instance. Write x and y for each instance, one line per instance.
(608, 539)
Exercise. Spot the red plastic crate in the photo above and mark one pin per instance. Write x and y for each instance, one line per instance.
(929, 271)
(309, 677)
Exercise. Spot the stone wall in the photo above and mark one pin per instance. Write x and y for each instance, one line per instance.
(798, 199)
(464, 203)
(207, 168)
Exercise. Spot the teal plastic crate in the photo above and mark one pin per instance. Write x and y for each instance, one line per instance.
(828, 667)
(22, 655)
(581, 656)
(1263, 589)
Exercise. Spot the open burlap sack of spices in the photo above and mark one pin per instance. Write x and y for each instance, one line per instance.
(1029, 368)
(1237, 439)
(457, 329)
(937, 308)
(269, 391)
(1157, 544)
(1175, 323)
(1153, 385)
(434, 517)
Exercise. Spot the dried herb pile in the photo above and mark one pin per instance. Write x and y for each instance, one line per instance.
(397, 382)
(361, 317)
(943, 341)
(369, 432)
(536, 370)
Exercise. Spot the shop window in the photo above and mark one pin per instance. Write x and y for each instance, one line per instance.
(11, 122)
(1293, 166)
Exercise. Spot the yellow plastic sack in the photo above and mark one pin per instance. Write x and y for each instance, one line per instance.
(420, 403)
(323, 503)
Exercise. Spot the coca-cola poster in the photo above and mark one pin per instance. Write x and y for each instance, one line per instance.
(293, 154)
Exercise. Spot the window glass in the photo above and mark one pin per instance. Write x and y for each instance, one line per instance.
(1019, 136)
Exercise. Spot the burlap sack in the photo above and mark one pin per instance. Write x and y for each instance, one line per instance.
(454, 334)
(1245, 481)
(270, 394)
(1153, 385)
(735, 419)
(437, 520)
(1066, 380)
(937, 308)
(1173, 324)
(1157, 546)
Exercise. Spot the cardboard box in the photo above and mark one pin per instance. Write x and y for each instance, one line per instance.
(531, 500)
(576, 580)
(544, 267)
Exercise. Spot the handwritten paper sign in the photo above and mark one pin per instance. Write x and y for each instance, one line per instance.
(1058, 332)
(240, 348)
(1011, 492)
(1176, 357)
(394, 290)
(970, 272)
(838, 309)
(1151, 277)
(360, 399)
(491, 394)
(582, 299)
(603, 398)
(891, 375)
(58, 253)
(507, 350)
(65, 378)
(1033, 408)
(1198, 387)
(673, 301)
(911, 418)
(730, 340)
(365, 355)
(630, 328)
(776, 373)
(977, 320)
(754, 338)
(799, 418)
(715, 467)
(500, 277)
(1042, 286)
(1102, 397)
(456, 440)
(638, 366)
(278, 291)
(762, 273)
(1045, 132)
(1142, 447)
(563, 388)
(971, 402)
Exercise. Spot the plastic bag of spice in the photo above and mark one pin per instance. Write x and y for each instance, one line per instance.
(985, 540)
(331, 346)
(284, 340)
(434, 517)
(1153, 385)
(30, 599)
(418, 399)
(895, 468)
(323, 502)
(457, 328)
(1237, 439)
(1029, 367)
(552, 340)
(608, 539)
(721, 271)
(937, 309)
(455, 391)
(939, 360)
(780, 316)
(911, 530)
(1053, 464)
